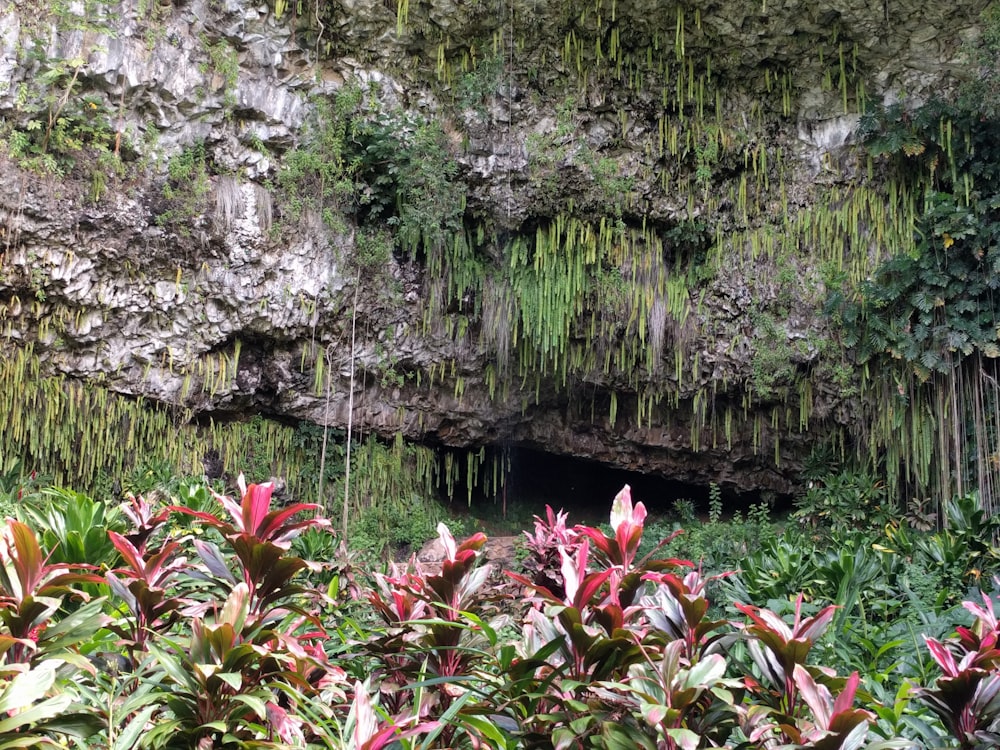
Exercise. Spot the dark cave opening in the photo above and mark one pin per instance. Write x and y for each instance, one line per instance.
(583, 488)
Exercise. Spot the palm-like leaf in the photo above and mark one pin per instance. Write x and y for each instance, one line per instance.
(144, 585)
(71, 527)
(253, 516)
(260, 538)
(31, 589)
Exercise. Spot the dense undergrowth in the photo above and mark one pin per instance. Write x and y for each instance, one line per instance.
(197, 620)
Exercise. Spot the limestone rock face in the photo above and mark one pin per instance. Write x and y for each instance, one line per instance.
(188, 277)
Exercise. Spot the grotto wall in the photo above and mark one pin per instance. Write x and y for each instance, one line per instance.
(601, 229)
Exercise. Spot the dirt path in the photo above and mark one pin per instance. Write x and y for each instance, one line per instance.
(501, 551)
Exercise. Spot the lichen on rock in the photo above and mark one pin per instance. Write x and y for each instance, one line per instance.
(602, 230)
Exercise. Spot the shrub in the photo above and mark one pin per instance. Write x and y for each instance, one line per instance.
(214, 634)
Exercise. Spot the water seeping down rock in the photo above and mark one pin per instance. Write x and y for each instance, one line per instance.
(600, 229)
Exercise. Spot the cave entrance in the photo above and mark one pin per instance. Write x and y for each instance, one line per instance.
(513, 484)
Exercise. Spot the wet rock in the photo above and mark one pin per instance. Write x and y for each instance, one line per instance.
(149, 301)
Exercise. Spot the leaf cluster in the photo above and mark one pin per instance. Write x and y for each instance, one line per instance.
(938, 303)
(377, 167)
(210, 635)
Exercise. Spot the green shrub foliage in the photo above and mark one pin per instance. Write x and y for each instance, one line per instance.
(928, 317)
(203, 627)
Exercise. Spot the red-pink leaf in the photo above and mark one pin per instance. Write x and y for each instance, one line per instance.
(128, 551)
(157, 562)
(256, 505)
(628, 537)
(365, 722)
(26, 556)
(987, 615)
(766, 620)
(816, 696)
(654, 714)
(812, 628)
(846, 698)
(586, 594)
(599, 539)
(473, 544)
(288, 729)
(208, 518)
(271, 528)
(623, 512)
(942, 656)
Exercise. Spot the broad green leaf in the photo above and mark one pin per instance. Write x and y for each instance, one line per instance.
(685, 738)
(28, 687)
(175, 669)
(706, 672)
(78, 724)
(255, 703)
(487, 729)
(563, 738)
(624, 737)
(129, 736)
(40, 711)
(233, 679)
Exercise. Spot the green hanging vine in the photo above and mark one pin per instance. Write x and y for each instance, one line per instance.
(929, 318)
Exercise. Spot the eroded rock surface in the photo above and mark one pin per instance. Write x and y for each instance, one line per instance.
(217, 296)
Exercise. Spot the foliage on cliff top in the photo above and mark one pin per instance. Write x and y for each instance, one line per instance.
(377, 167)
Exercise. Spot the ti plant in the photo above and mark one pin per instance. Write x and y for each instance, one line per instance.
(434, 643)
(967, 695)
(582, 641)
(793, 705)
(146, 518)
(260, 539)
(39, 642)
(227, 668)
(219, 686)
(587, 615)
(32, 591)
(550, 535)
(34, 712)
(679, 689)
(146, 585)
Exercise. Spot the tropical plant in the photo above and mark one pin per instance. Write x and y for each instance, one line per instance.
(542, 562)
(217, 683)
(792, 702)
(928, 315)
(781, 565)
(32, 591)
(146, 586)
(845, 501)
(967, 696)
(436, 640)
(610, 649)
(72, 527)
(260, 539)
(37, 708)
(146, 517)
(581, 641)
(680, 688)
